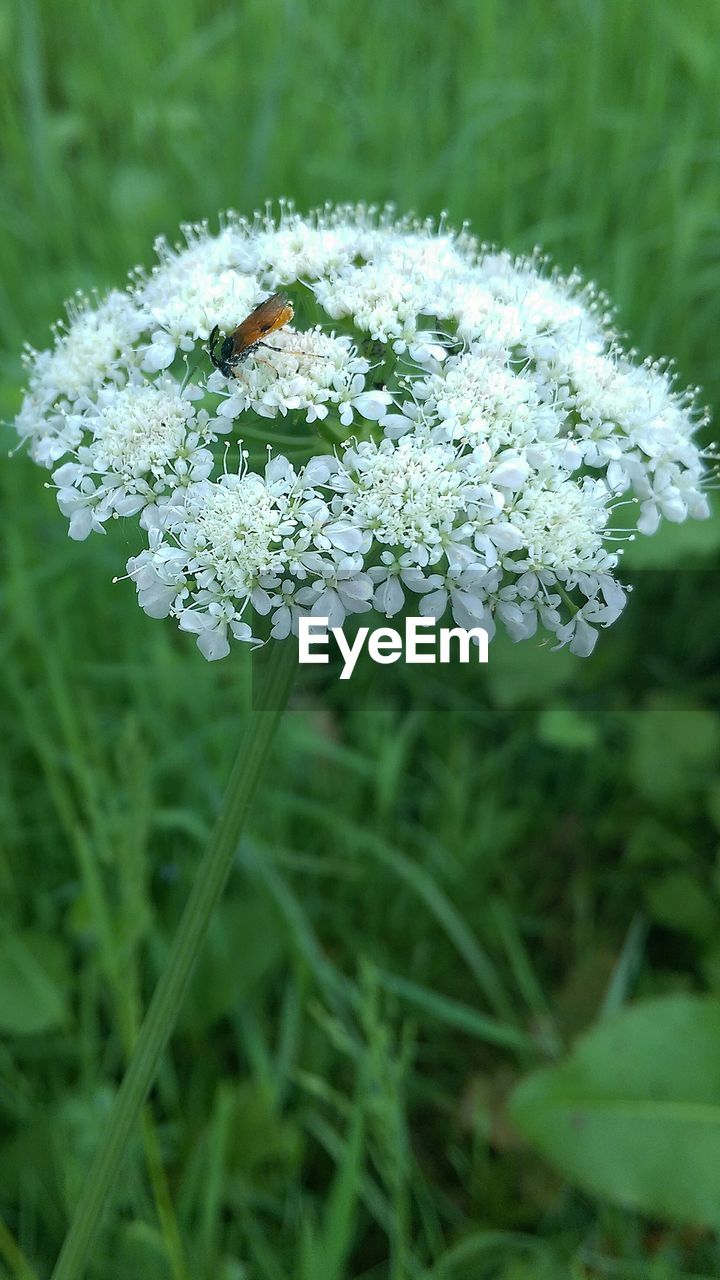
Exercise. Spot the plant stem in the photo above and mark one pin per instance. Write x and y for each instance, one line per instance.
(10, 1251)
(167, 998)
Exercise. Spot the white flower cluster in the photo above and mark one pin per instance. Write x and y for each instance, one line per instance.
(494, 425)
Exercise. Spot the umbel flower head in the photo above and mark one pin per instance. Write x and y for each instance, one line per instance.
(443, 429)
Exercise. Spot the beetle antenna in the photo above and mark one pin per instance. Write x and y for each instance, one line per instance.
(211, 345)
(209, 349)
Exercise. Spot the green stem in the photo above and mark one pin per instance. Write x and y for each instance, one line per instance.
(10, 1251)
(165, 1004)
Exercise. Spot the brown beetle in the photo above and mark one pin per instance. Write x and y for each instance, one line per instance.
(272, 314)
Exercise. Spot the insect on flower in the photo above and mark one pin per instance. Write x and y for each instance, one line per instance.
(272, 314)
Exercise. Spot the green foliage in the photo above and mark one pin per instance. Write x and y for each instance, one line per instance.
(444, 882)
(33, 978)
(634, 1112)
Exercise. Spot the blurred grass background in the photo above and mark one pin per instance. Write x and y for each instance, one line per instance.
(435, 896)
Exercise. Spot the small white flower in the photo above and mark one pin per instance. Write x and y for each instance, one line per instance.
(233, 532)
(142, 442)
(561, 525)
(342, 588)
(390, 577)
(311, 248)
(89, 350)
(93, 349)
(384, 300)
(478, 399)
(406, 494)
(633, 424)
(210, 627)
(467, 591)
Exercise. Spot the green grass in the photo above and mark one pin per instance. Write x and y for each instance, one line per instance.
(440, 886)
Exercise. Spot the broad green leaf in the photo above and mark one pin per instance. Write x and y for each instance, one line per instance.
(633, 1113)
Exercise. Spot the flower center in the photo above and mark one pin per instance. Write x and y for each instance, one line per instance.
(142, 431)
(408, 495)
(239, 530)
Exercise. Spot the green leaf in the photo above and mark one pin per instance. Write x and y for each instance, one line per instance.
(263, 1146)
(246, 938)
(680, 902)
(460, 1016)
(674, 752)
(568, 729)
(33, 983)
(342, 1204)
(633, 1114)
